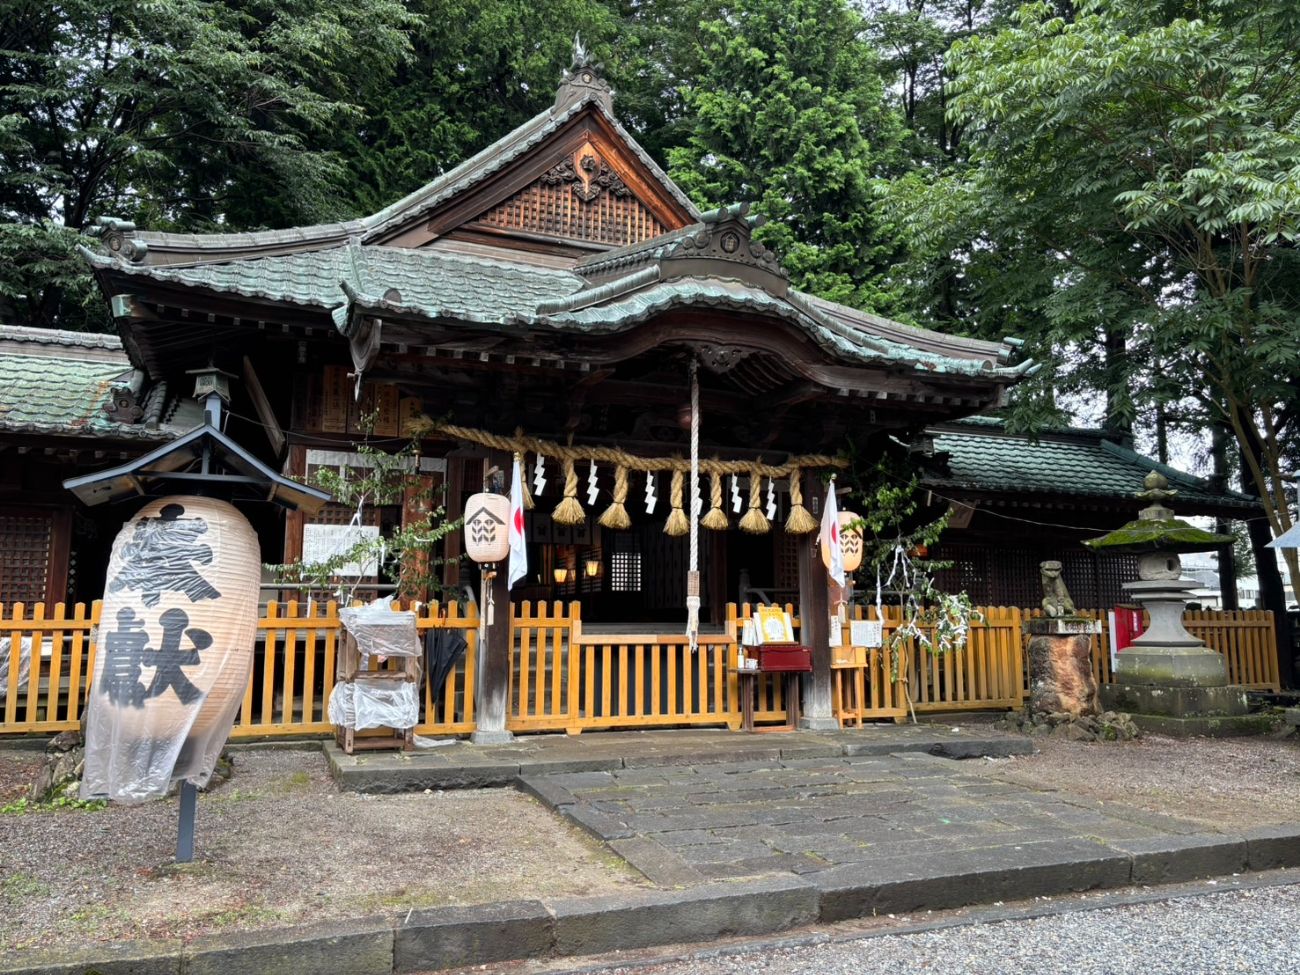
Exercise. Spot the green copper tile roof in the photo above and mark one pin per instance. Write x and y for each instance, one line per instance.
(57, 383)
(437, 285)
(433, 282)
(1078, 463)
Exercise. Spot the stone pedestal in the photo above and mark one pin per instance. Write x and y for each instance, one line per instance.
(1060, 666)
(1170, 681)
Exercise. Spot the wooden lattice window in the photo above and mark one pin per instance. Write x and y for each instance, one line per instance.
(565, 204)
(786, 556)
(27, 537)
(624, 562)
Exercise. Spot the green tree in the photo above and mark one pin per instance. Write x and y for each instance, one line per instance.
(787, 111)
(480, 68)
(1137, 165)
(187, 114)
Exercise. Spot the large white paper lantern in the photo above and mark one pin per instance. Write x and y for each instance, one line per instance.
(175, 648)
(487, 527)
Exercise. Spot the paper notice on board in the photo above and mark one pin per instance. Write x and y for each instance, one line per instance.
(867, 633)
(836, 631)
(320, 543)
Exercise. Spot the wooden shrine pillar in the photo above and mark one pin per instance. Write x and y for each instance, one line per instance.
(492, 680)
(814, 626)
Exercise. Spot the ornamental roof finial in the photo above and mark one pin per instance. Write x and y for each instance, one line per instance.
(583, 78)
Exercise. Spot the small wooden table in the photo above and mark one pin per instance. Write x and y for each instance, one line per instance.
(787, 660)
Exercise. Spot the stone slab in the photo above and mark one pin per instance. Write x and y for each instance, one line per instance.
(1174, 859)
(585, 926)
(165, 959)
(960, 877)
(1223, 726)
(360, 947)
(1178, 702)
(661, 865)
(457, 937)
(547, 791)
(1271, 847)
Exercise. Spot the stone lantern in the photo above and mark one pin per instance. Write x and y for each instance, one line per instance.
(1168, 679)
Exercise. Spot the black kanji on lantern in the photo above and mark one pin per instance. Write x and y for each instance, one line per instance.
(124, 650)
(161, 555)
(126, 654)
(169, 658)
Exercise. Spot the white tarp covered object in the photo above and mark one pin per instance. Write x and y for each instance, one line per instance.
(175, 648)
(24, 663)
(382, 631)
(362, 705)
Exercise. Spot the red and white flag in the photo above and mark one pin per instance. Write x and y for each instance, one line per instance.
(829, 538)
(518, 546)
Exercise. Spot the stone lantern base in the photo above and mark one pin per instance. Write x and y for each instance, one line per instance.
(1180, 692)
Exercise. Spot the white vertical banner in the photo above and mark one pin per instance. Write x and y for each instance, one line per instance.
(518, 545)
(829, 537)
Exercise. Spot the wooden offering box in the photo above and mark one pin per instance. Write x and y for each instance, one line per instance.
(783, 658)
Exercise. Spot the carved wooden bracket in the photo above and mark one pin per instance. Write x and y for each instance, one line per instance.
(587, 174)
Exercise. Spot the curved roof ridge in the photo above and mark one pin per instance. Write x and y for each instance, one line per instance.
(28, 334)
(858, 318)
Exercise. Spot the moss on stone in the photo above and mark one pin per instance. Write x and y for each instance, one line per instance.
(1171, 535)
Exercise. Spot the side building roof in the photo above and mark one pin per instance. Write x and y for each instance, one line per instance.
(976, 458)
(78, 384)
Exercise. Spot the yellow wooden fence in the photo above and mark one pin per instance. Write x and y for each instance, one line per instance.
(293, 672)
(563, 679)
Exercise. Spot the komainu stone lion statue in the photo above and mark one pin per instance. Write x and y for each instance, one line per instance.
(1056, 598)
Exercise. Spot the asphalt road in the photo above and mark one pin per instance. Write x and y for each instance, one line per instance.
(1253, 930)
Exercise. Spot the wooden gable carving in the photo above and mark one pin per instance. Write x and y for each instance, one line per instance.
(580, 198)
(581, 189)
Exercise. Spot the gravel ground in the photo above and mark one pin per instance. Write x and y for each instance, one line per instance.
(1224, 782)
(1248, 931)
(278, 844)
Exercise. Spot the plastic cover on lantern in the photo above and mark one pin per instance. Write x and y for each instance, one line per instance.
(381, 630)
(175, 648)
(362, 705)
(24, 663)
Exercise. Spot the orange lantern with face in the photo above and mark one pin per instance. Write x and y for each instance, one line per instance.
(175, 648)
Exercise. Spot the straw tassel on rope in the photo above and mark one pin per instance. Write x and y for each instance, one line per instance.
(523, 480)
(754, 521)
(523, 486)
(799, 522)
(677, 524)
(616, 516)
(569, 511)
(716, 519)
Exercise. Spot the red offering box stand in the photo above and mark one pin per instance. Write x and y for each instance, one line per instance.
(784, 658)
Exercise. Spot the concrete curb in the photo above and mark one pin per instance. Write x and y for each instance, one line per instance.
(465, 936)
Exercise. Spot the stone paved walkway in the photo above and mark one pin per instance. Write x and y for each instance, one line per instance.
(691, 824)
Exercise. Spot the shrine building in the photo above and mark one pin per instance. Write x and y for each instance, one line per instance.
(552, 295)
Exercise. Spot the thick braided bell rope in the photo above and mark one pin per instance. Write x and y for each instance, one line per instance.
(693, 575)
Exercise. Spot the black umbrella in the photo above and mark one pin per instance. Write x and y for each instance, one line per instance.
(443, 647)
